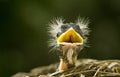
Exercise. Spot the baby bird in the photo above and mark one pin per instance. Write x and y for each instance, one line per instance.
(68, 39)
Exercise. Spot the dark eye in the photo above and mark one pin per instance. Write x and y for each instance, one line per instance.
(57, 35)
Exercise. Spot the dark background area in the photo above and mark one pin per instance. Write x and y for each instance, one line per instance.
(23, 31)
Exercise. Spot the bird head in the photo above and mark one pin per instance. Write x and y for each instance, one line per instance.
(68, 39)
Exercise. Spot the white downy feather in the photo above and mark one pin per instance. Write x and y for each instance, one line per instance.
(55, 27)
(83, 24)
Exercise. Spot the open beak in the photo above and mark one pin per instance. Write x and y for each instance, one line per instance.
(69, 42)
(70, 36)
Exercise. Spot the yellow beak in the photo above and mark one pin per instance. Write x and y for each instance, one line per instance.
(70, 36)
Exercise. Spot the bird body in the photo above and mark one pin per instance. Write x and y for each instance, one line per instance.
(68, 39)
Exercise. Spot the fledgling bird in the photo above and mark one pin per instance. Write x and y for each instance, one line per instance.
(68, 39)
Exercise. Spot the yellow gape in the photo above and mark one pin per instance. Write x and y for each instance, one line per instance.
(70, 36)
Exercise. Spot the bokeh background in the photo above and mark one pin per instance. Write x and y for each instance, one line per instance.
(23, 31)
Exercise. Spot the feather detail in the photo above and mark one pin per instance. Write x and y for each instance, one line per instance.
(53, 29)
(83, 24)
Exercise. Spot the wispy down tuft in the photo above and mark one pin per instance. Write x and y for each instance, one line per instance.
(53, 29)
(83, 24)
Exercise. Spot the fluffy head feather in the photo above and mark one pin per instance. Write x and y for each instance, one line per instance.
(55, 27)
(83, 24)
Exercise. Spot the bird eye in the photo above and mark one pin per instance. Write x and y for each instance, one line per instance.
(57, 35)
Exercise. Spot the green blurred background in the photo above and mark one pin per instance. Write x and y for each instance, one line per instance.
(23, 31)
